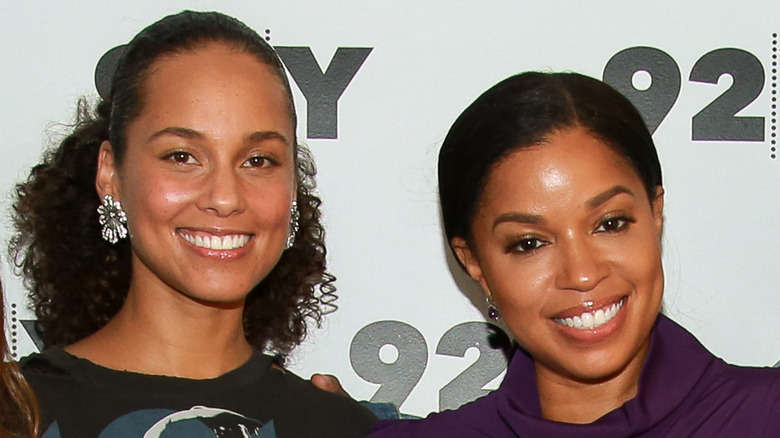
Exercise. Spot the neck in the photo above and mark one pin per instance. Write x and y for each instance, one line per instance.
(569, 400)
(166, 333)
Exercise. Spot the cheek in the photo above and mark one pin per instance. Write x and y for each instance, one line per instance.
(154, 199)
(270, 204)
(640, 259)
(519, 287)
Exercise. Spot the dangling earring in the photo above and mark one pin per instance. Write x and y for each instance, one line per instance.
(492, 310)
(294, 217)
(113, 219)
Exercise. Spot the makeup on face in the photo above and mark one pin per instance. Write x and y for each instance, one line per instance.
(567, 245)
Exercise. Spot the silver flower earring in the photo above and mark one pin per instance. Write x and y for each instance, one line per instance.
(113, 219)
(294, 217)
(492, 310)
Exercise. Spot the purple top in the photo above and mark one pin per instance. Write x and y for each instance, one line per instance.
(684, 391)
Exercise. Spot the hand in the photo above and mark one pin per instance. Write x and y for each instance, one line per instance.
(329, 383)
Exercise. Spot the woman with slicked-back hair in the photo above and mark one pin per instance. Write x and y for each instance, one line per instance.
(552, 201)
(171, 241)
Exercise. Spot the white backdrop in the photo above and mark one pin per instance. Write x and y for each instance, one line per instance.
(428, 60)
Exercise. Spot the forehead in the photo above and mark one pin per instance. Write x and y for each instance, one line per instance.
(567, 166)
(215, 83)
(213, 66)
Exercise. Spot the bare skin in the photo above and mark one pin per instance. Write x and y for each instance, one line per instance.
(329, 383)
(565, 230)
(584, 402)
(180, 344)
(208, 157)
(577, 252)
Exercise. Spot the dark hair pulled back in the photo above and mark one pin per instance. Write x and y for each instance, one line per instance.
(521, 111)
(76, 281)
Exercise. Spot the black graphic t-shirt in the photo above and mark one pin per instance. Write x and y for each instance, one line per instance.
(79, 399)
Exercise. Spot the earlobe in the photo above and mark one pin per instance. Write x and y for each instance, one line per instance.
(469, 261)
(106, 178)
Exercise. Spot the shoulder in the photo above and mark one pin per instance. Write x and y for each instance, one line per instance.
(759, 383)
(318, 412)
(40, 363)
(51, 377)
(706, 381)
(42, 370)
(730, 398)
(747, 380)
(310, 398)
(80, 395)
(478, 419)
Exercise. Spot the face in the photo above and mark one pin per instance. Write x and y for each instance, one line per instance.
(566, 243)
(207, 178)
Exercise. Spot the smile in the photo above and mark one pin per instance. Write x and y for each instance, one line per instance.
(592, 319)
(223, 243)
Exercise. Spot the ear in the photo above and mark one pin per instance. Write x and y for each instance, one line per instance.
(107, 177)
(469, 261)
(658, 209)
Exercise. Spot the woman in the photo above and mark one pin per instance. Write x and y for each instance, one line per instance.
(170, 239)
(552, 201)
(18, 414)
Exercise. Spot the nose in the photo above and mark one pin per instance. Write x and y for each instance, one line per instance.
(582, 266)
(222, 194)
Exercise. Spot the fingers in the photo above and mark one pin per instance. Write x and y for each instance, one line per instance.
(328, 383)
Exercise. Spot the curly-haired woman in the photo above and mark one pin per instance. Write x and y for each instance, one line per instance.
(170, 238)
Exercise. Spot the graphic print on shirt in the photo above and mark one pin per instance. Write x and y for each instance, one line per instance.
(198, 422)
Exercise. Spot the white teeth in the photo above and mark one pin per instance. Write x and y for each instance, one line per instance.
(587, 320)
(599, 318)
(591, 320)
(216, 242)
(611, 311)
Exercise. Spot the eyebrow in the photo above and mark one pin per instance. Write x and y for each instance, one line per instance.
(538, 219)
(187, 133)
(260, 136)
(518, 217)
(607, 195)
(178, 132)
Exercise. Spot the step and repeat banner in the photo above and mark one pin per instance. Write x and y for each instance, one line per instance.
(377, 85)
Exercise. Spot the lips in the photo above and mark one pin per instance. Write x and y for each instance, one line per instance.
(591, 319)
(211, 241)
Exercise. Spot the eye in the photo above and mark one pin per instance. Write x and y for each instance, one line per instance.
(613, 224)
(258, 161)
(181, 157)
(526, 245)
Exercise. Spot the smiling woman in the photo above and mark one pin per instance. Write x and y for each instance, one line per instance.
(580, 225)
(552, 201)
(156, 304)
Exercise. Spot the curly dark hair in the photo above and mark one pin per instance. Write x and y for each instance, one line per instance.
(77, 282)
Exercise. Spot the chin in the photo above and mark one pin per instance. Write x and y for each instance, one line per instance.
(220, 302)
(218, 296)
(599, 371)
(597, 366)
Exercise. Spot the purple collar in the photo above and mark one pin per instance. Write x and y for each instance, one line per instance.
(674, 365)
